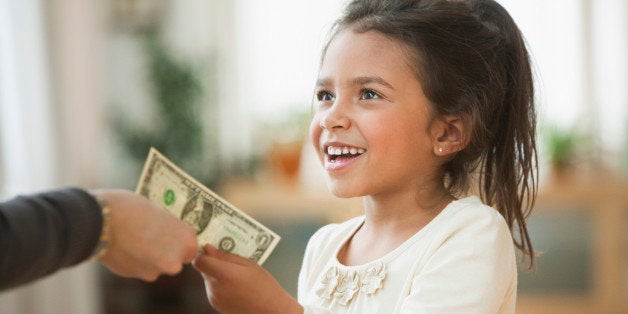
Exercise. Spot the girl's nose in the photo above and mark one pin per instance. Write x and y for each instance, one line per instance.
(335, 118)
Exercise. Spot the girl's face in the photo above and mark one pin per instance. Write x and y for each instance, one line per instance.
(371, 126)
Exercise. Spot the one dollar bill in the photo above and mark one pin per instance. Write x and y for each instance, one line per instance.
(215, 220)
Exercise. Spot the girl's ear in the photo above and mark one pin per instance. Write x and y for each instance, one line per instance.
(449, 135)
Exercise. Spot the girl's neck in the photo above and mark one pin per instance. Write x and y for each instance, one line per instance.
(410, 210)
(390, 221)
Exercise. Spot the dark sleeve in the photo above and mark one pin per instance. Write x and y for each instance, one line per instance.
(45, 232)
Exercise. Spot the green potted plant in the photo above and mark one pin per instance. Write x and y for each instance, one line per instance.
(566, 147)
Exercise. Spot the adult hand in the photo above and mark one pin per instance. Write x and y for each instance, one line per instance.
(238, 285)
(145, 240)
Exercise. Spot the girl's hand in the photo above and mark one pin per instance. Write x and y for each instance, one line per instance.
(238, 285)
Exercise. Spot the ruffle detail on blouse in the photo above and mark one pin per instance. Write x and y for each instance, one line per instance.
(342, 285)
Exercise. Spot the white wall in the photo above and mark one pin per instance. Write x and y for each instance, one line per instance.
(581, 53)
(49, 125)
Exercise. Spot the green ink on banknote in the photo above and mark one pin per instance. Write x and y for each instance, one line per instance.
(169, 197)
(236, 235)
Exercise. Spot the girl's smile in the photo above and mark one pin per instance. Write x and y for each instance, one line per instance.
(339, 155)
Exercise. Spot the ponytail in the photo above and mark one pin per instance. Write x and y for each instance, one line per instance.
(510, 165)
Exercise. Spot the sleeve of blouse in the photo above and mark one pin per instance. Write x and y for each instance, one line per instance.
(42, 233)
(472, 271)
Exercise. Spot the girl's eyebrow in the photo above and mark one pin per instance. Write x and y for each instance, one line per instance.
(360, 80)
(323, 82)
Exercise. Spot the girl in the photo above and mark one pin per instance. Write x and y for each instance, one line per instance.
(412, 99)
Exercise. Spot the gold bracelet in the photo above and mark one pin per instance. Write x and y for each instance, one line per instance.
(103, 241)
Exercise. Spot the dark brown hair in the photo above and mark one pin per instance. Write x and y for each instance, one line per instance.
(472, 62)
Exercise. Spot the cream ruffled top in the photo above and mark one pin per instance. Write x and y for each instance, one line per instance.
(463, 261)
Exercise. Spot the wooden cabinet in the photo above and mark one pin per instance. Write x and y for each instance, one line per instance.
(597, 207)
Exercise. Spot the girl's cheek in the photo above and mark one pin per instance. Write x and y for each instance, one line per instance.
(315, 133)
(315, 129)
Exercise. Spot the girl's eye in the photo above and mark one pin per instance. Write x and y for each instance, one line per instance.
(369, 94)
(324, 96)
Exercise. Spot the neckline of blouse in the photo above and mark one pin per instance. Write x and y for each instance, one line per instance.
(449, 209)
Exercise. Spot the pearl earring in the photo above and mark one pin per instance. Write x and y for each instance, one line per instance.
(440, 149)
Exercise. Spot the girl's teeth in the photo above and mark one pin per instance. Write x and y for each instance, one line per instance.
(344, 150)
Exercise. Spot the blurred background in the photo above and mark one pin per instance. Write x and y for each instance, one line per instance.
(223, 88)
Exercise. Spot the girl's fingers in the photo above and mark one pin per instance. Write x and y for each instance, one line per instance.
(219, 264)
(205, 264)
(214, 265)
(225, 256)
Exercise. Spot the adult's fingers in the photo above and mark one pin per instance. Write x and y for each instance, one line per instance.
(190, 253)
(128, 266)
(190, 246)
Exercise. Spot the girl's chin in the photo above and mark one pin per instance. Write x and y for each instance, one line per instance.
(342, 191)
